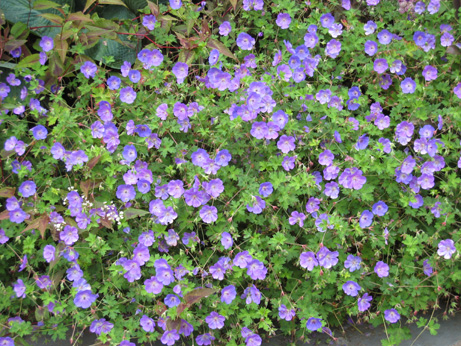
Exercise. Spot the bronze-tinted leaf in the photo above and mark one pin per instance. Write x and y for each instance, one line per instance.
(173, 324)
(93, 161)
(7, 192)
(4, 215)
(79, 16)
(54, 18)
(40, 223)
(215, 44)
(194, 297)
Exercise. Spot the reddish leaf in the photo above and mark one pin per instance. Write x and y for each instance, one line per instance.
(234, 3)
(194, 297)
(40, 223)
(4, 215)
(54, 18)
(79, 16)
(93, 161)
(106, 222)
(7, 192)
(173, 324)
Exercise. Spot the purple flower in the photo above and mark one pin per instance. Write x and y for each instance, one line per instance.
(333, 48)
(209, 214)
(446, 40)
(326, 158)
(129, 153)
(310, 40)
(127, 95)
(380, 65)
(352, 263)
(199, 157)
(283, 20)
(286, 144)
(226, 240)
(223, 158)
(326, 20)
(419, 202)
(126, 193)
(258, 205)
(420, 7)
(89, 69)
(245, 41)
(259, 130)
(18, 215)
(426, 181)
(366, 219)
(331, 190)
(286, 314)
(171, 300)
(382, 269)
(6, 341)
(327, 258)
(149, 21)
(307, 260)
(364, 302)
(446, 248)
(180, 70)
(225, 28)
(228, 294)
(215, 320)
(433, 7)
(175, 4)
(47, 44)
(204, 339)
(20, 289)
(297, 218)
(256, 270)
(391, 315)
(242, 259)
(427, 268)
(253, 340)
(380, 208)
(171, 336)
(362, 142)
(408, 86)
(457, 90)
(314, 324)
(69, 235)
(39, 132)
(429, 73)
(384, 37)
(351, 288)
(214, 57)
(153, 285)
(16, 53)
(84, 299)
(49, 253)
(3, 237)
(266, 189)
(312, 205)
(27, 188)
(23, 263)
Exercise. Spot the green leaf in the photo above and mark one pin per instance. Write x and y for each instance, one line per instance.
(23, 11)
(215, 44)
(135, 5)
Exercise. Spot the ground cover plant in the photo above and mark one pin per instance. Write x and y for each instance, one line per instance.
(218, 172)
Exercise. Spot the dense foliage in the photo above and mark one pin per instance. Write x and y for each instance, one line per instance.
(221, 171)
